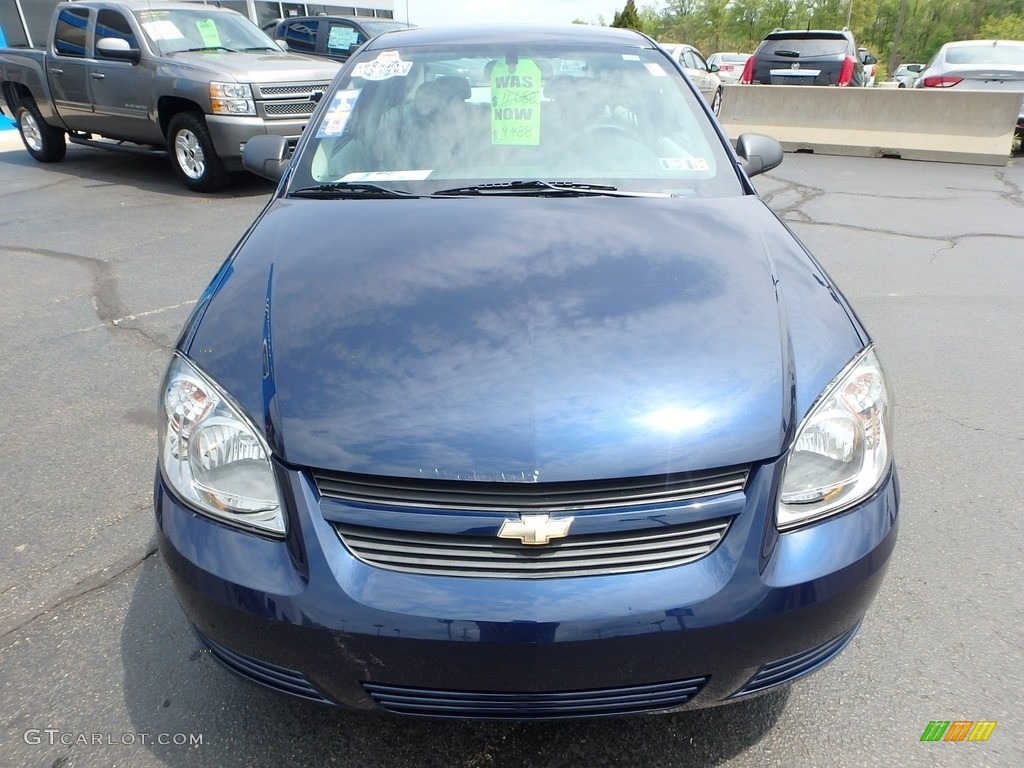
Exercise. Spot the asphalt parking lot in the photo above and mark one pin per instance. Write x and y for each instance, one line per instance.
(101, 259)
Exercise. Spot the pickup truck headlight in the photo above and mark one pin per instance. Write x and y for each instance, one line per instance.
(232, 99)
(211, 454)
(843, 448)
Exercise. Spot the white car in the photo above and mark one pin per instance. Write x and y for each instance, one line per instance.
(703, 75)
(906, 74)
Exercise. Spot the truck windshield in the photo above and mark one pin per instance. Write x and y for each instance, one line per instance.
(174, 30)
(431, 119)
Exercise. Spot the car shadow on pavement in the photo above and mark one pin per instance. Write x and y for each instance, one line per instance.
(172, 687)
(97, 167)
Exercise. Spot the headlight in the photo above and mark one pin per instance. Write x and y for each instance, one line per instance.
(232, 99)
(212, 456)
(842, 449)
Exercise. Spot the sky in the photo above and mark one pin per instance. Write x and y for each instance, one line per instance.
(423, 12)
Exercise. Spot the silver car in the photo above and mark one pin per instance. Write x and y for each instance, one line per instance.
(981, 65)
(703, 75)
(906, 74)
(730, 65)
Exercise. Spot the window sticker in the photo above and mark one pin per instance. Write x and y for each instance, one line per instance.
(630, 57)
(162, 30)
(418, 175)
(208, 29)
(684, 164)
(387, 65)
(655, 69)
(515, 102)
(338, 113)
(342, 37)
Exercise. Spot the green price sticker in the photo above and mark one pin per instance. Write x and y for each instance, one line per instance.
(515, 103)
(208, 29)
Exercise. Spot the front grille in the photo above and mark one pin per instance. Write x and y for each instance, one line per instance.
(479, 705)
(799, 664)
(528, 497)
(279, 679)
(289, 109)
(289, 90)
(488, 557)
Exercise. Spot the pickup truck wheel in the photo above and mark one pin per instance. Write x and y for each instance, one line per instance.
(44, 142)
(193, 155)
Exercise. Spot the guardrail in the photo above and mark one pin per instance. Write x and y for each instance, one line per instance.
(913, 124)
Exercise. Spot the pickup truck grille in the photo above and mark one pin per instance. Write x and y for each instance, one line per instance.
(288, 90)
(288, 109)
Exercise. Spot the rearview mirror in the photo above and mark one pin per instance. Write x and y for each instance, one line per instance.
(117, 48)
(758, 153)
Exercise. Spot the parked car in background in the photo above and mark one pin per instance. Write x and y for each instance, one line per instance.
(730, 65)
(979, 65)
(336, 37)
(906, 74)
(806, 57)
(703, 74)
(191, 81)
(870, 62)
(633, 454)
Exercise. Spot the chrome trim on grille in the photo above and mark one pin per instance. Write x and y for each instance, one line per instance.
(525, 497)
(486, 557)
(289, 90)
(483, 705)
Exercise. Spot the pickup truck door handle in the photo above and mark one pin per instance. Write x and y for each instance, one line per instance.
(97, 75)
(56, 71)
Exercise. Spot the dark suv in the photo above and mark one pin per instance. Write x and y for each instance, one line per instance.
(811, 57)
(336, 37)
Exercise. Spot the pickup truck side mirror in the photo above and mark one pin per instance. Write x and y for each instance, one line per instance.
(266, 156)
(117, 48)
(282, 44)
(758, 153)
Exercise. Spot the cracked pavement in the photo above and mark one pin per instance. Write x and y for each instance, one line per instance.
(102, 258)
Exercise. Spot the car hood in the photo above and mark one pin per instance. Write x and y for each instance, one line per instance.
(260, 66)
(522, 339)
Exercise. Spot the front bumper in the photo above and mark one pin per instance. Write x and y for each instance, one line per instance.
(305, 617)
(230, 132)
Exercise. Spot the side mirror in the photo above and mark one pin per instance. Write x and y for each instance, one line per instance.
(266, 156)
(117, 48)
(869, 59)
(915, 67)
(714, 68)
(282, 44)
(758, 153)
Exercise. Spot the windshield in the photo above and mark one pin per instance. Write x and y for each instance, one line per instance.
(1001, 53)
(380, 26)
(431, 119)
(174, 30)
(805, 44)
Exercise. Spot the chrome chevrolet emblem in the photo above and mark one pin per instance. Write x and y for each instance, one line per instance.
(535, 529)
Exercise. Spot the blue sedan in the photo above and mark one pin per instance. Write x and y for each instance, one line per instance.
(496, 412)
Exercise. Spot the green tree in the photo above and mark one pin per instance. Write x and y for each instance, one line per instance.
(628, 18)
(1004, 28)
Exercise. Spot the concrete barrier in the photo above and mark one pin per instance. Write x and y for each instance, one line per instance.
(914, 124)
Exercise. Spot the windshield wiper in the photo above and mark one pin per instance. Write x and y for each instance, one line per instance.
(207, 48)
(539, 188)
(342, 189)
(260, 48)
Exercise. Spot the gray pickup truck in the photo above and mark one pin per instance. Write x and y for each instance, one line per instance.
(192, 81)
